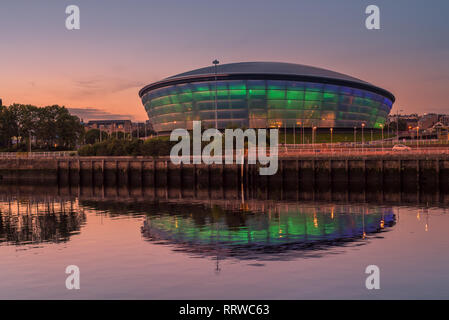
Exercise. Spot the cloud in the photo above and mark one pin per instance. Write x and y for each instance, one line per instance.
(87, 114)
(101, 86)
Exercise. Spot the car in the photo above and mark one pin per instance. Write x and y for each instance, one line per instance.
(401, 147)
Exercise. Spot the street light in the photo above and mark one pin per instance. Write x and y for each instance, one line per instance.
(313, 137)
(363, 137)
(294, 132)
(397, 123)
(216, 62)
(417, 137)
(355, 137)
(285, 133)
(332, 149)
(382, 127)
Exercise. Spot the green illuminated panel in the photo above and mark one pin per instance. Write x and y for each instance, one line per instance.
(304, 224)
(307, 103)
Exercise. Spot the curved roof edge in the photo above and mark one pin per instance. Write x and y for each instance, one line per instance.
(267, 70)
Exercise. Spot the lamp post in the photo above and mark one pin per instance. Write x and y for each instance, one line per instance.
(216, 62)
(363, 137)
(294, 132)
(313, 137)
(285, 134)
(382, 127)
(417, 137)
(332, 148)
(298, 123)
(397, 123)
(303, 133)
(355, 136)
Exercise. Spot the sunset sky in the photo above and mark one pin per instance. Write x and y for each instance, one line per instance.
(124, 45)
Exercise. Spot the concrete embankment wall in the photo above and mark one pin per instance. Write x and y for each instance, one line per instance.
(387, 170)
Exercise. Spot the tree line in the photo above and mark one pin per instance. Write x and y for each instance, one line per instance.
(43, 128)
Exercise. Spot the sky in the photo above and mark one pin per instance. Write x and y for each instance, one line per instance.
(122, 46)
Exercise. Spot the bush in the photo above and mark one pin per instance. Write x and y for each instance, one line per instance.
(160, 146)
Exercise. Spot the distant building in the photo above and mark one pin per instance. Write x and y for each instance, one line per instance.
(444, 119)
(1, 104)
(110, 126)
(427, 120)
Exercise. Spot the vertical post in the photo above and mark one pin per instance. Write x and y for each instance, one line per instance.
(92, 168)
(116, 173)
(363, 137)
(297, 175)
(437, 164)
(418, 169)
(355, 136)
(128, 176)
(154, 175)
(285, 134)
(142, 167)
(417, 137)
(382, 173)
(332, 147)
(347, 172)
(79, 171)
(216, 62)
(294, 134)
(382, 138)
(103, 172)
(57, 172)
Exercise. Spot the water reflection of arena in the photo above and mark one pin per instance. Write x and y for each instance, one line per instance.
(282, 228)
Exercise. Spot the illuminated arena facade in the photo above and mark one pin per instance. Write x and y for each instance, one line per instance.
(265, 95)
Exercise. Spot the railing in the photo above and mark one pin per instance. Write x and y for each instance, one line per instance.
(34, 155)
(291, 150)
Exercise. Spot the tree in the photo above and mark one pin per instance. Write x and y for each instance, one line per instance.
(93, 135)
(52, 126)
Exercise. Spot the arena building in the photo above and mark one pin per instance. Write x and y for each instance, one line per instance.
(265, 95)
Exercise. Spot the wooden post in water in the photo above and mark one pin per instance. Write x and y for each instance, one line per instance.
(103, 179)
(92, 173)
(79, 171)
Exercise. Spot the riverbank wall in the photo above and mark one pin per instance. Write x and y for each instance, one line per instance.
(323, 170)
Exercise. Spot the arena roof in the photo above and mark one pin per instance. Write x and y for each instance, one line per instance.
(266, 70)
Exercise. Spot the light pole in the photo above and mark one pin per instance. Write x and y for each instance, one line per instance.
(363, 137)
(302, 133)
(285, 134)
(294, 132)
(298, 123)
(332, 148)
(397, 123)
(417, 137)
(216, 62)
(313, 137)
(382, 127)
(355, 136)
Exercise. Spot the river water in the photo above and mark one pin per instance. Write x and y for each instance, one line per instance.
(145, 244)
